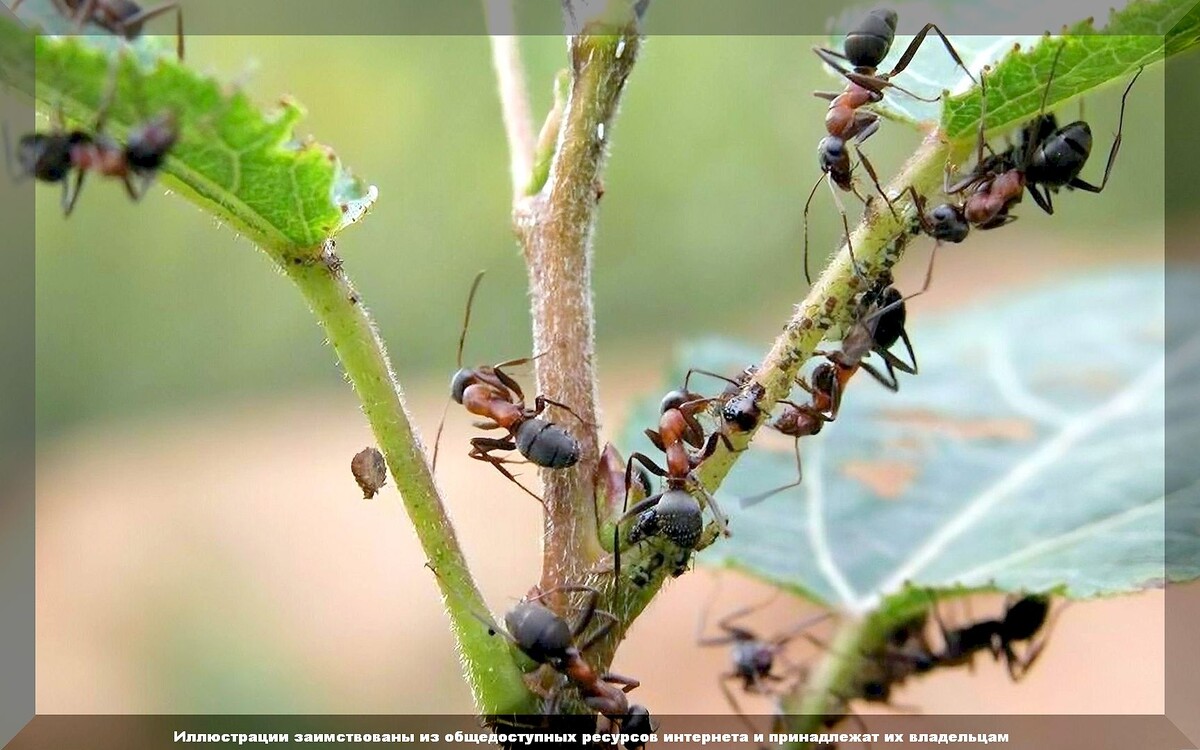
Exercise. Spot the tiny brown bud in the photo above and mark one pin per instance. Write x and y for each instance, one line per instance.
(370, 471)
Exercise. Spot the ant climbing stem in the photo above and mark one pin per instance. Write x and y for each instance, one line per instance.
(123, 18)
(848, 122)
(489, 392)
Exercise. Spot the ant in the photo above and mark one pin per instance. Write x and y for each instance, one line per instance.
(123, 18)
(864, 49)
(674, 513)
(53, 155)
(1023, 619)
(547, 638)
(1046, 155)
(753, 657)
(490, 392)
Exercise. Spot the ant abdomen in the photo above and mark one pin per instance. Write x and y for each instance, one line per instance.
(1061, 156)
(148, 145)
(538, 632)
(679, 518)
(869, 43)
(546, 444)
(459, 382)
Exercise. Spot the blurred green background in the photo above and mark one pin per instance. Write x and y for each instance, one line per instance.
(142, 307)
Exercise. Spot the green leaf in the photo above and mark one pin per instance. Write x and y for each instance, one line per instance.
(244, 166)
(1028, 455)
(1139, 34)
(1135, 36)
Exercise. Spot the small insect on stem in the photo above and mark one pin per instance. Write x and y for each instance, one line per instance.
(369, 470)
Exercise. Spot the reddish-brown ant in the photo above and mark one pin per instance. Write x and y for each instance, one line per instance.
(489, 392)
(675, 513)
(123, 18)
(547, 638)
(847, 120)
(1045, 156)
(52, 156)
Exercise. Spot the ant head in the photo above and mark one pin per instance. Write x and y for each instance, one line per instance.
(832, 155)
(149, 143)
(876, 690)
(459, 383)
(680, 518)
(542, 635)
(868, 43)
(127, 14)
(45, 156)
(948, 222)
(674, 400)
(742, 409)
(824, 378)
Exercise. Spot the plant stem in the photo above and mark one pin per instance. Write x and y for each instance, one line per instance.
(498, 686)
(555, 227)
(514, 99)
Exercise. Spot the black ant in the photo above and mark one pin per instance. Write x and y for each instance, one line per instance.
(1046, 155)
(547, 638)
(865, 48)
(490, 392)
(53, 155)
(1023, 619)
(753, 657)
(123, 18)
(675, 513)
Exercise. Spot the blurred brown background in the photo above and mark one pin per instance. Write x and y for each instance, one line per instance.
(201, 544)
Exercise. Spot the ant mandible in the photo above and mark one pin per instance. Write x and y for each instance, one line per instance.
(846, 120)
(123, 18)
(547, 638)
(490, 392)
(52, 156)
(1046, 155)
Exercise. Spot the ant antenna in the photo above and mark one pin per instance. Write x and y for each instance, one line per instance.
(462, 340)
(1032, 145)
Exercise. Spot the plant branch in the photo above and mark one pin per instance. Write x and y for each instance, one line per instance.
(514, 99)
(555, 228)
(496, 683)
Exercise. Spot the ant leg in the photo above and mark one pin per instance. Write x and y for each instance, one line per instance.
(69, 195)
(721, 519)
(1032, 146)
(747, 502)
(782, 639)
(845, 225)
(158, 10)
(827, 95)
(888, 381)
(507, 379)
(656, 439)
(1112, 152)
(807, 204)
(481, 451)
(862, 158)
(627, 683)
(84, 13)
(911, 52)
(723, 681)
(698, 371)
(540, 404)
(1043, 200)
(1032, 653)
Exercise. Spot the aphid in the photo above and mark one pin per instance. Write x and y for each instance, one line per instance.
(370, 471)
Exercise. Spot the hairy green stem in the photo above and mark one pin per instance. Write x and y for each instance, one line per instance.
(555, 227)
(495, 680)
